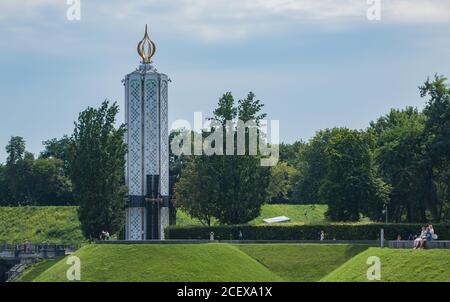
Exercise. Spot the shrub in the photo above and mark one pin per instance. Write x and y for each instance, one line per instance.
(304, 232)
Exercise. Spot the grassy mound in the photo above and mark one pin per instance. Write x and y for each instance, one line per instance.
(200, 262)
(315, 214)
(188, 263)
(397, 265)
(36, 269)
(40, 224)
(302, 262)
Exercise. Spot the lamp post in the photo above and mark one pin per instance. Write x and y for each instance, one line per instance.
(385, 211)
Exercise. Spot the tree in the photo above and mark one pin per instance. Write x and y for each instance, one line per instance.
(17, 171)
(97, 170)
(351, 186)
(290, 153)
(4, 192)
(232, 188)
(243, 182)
(15, 149)
(399, 154)
(48, 183)
(194, 191)
(26, 181)
(280, 181)
(437, 133)
(60, 149)
(312, 167)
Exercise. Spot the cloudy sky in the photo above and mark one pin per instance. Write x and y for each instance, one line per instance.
(313, 63)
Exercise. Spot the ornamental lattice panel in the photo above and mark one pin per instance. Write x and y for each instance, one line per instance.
(134, 139)
(135, 223)
(151, 127)
(164, 140)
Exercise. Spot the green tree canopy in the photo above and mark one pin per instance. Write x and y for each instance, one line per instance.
(398, 155)
(280, 184)
(15, 149)
(231, 188)
(437, 133)
(27, 181)
(97, 170)
(351, 187)
(312, 167)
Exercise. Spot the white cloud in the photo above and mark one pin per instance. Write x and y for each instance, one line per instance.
(417, 11)
(215, 20)
(26, 9)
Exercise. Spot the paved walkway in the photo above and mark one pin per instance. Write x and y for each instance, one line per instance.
(203, 241)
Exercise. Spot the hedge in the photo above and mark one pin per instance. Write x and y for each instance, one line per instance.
(304, 232)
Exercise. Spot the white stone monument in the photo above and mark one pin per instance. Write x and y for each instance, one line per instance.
(147, 161)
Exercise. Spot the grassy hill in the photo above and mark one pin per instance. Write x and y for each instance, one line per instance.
(315, 214)
(53, 224)
(188, 263)
(40, 224)
(200, 262)
(36, 269)
(302, 262)
(397, 265)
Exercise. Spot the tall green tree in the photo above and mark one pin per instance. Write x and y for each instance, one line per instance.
(232, 187)
(97, 170)
(15, 149)
(243, 182)
(195, 191)
(280, 185)
(437, 133)
(312, 167)
(351, 187)
(18, 171)
(399, 157)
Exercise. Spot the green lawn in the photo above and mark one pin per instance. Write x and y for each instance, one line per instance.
(315, 214)
(40, 224)
(302, 262)
(53, 224)
(200, 262)
(36, 269)
(164, 262)
(397, 265)
(183, 219)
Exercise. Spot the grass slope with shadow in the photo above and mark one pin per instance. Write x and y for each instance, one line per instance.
(302, 262)
(397, 265)
(163, 262)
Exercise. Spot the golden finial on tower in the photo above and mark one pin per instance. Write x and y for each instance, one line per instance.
(146, 48)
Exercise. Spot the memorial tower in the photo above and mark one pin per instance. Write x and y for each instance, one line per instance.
(147, 160)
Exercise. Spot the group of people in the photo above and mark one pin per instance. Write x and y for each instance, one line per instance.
(427, 234)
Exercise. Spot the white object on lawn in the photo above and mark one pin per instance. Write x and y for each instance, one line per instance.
(277, 219)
